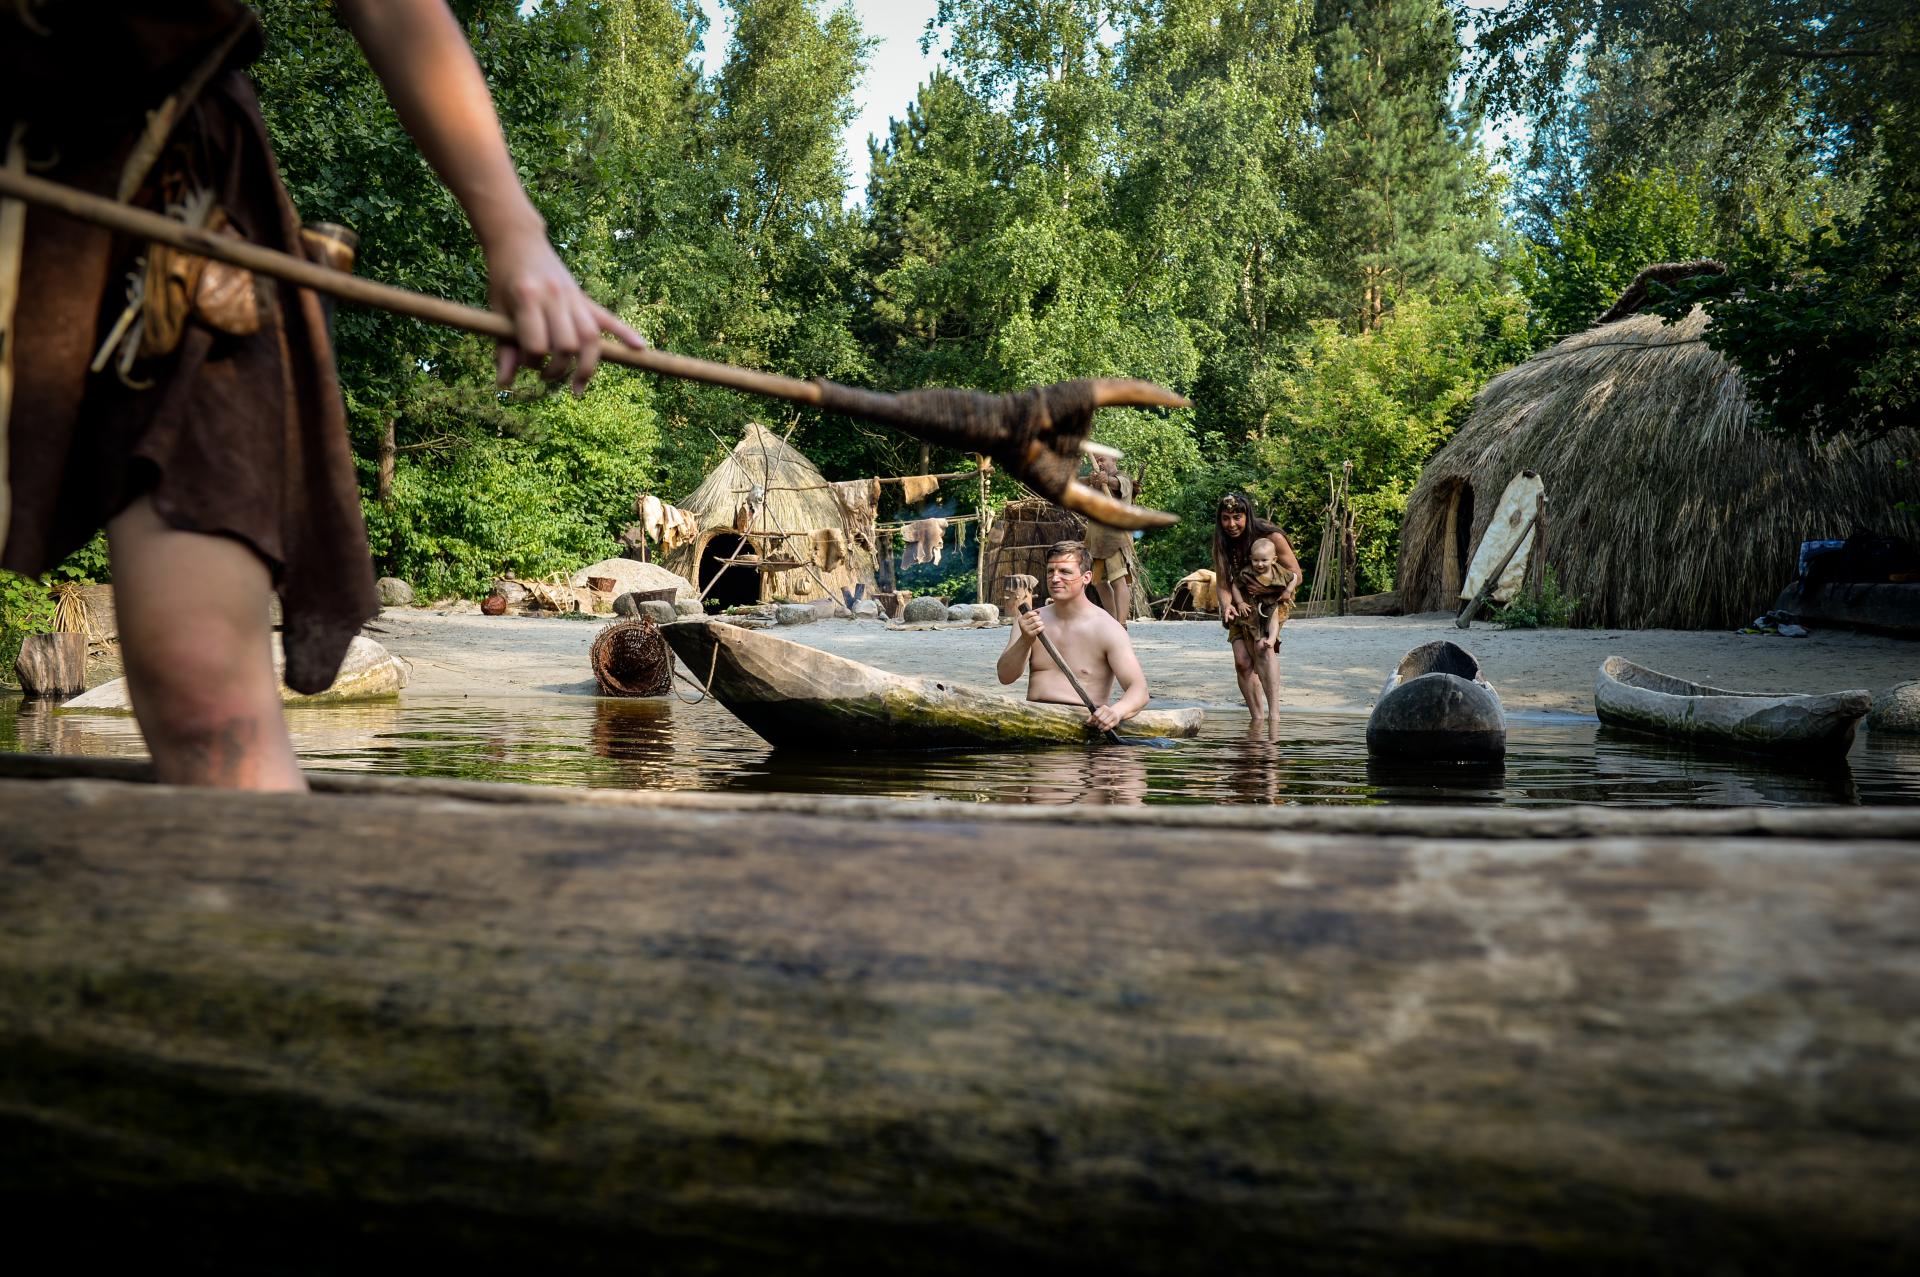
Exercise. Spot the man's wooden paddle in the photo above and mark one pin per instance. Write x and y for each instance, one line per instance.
(1038, 435)
(1113, 737)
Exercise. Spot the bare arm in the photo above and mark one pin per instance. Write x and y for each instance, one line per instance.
(419, 52)
(1125, 665)
(1285, 557)
(1019, 650)
(1225, 587)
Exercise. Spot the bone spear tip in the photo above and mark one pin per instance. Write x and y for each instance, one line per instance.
(1126, 392)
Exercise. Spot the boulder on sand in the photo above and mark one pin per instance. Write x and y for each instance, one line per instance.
(1896, 710)
(974, 612)
(368, 670)
(922, 611)
(394, 592)
(631, 574)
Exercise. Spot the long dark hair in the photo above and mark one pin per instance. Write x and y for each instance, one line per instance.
(1237, 552)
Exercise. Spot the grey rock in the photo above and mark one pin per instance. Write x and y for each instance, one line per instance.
(394, 592)
(512, 591)
(974, 612)
(921, 611)
(628, 574)
(659, 611)
(688, 607)
(1896, 710)
(795, 614)
(866, 609)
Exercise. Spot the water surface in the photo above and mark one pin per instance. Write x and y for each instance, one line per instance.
(669, 744)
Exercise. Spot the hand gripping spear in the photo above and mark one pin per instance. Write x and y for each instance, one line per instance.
(1037, 435)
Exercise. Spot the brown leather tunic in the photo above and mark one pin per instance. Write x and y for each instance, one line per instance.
(237, 436)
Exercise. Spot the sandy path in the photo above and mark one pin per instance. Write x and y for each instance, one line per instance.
(1329, 664)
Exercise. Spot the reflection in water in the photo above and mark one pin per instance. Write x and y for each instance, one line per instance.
(1101, 776)
(1405, 780)
(668, 744)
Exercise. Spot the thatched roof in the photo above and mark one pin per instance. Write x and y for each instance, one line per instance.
(798, 503)
(1667, 508)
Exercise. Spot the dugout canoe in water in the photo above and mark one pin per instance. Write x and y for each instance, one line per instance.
(795, 695)
(1436, 707)
(1786, 725)
(444, 1023)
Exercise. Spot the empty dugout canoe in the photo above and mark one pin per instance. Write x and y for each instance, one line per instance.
(795, 695)
(1790, 725)
(1436, 707)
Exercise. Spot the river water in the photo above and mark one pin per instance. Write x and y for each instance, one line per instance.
(670, 744)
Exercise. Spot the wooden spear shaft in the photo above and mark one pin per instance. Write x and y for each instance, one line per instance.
(142, 224)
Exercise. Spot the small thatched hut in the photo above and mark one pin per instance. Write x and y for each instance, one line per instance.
(776, 539)
(1023, 530)
(1667, 508)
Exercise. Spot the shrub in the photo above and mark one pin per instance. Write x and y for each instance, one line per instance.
(1547, 609)
(27, 605)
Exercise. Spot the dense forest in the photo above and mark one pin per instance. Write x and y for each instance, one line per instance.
(1288, 210)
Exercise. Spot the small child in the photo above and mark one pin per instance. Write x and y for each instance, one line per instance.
(1264, 585)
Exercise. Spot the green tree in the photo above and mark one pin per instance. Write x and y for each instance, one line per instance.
(1384, 400)
(1834, 298)
(1593, 249)
(1402, 199)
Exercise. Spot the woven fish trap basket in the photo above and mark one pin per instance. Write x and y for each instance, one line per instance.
(631, 659)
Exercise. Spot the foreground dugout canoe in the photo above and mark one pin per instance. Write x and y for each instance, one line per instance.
(1436, 707)
(795, 695)
(438, 1023)
(1789, 726)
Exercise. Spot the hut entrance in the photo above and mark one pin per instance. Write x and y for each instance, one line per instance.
(1458, 539)
(732, 585)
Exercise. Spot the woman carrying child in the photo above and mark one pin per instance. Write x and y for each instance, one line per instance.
(1256, 574)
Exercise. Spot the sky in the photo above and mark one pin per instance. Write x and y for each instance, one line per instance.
(895, 69)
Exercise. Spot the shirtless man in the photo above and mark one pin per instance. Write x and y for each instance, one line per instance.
(1088, 638)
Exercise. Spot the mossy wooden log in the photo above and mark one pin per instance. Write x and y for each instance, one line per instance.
(798, 696)
(295, 1032)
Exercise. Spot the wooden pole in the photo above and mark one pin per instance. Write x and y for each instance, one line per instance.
(995, 421)
(141, 224)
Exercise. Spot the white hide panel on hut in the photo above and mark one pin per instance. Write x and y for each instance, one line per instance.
(1513, 519)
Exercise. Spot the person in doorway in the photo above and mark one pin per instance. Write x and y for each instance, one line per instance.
(210, 440)
(1112, 577)
(1235, 532)
(1087, 638)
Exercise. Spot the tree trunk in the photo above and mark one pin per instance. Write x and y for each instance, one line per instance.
(791, 1034)
(389, 449)
(53, 665)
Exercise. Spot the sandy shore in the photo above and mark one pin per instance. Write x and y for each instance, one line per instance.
(1329, 664)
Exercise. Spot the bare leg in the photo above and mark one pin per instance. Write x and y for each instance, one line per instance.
(1122, 599)
(1249, 679)
(192, 611)
(1270, 683)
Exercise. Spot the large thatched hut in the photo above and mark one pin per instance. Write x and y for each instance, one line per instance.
(771, 552)
(1667, 507)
